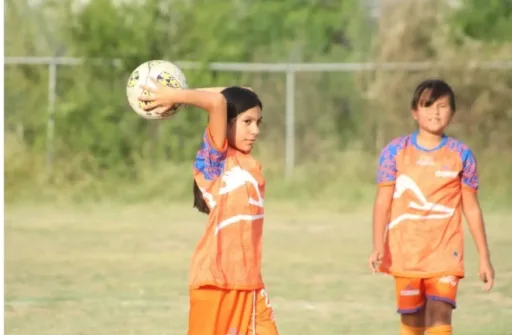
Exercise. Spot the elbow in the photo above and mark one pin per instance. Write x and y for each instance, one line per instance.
(218, 103)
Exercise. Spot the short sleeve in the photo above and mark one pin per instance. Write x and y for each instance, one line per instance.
(210, 159)
(469, 175)
(386, 172)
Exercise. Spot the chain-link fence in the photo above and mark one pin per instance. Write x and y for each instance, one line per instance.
(305, 105)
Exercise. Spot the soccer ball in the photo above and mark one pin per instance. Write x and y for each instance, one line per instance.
(165, 73)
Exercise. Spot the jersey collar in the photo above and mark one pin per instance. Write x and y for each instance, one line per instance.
(414, 140)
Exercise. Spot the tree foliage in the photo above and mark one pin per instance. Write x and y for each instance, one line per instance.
(97, 132)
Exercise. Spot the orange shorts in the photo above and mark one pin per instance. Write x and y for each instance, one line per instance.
(215, 311)
(412, 292)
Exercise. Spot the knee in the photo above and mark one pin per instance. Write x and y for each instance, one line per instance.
(416, 320)
(438, 313)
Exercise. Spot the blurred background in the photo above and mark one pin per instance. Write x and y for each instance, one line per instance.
(99, 224)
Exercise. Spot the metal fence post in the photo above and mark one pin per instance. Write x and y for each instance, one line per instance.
(290, 122)
(52, 87)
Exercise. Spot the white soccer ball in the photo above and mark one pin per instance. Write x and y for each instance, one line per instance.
(165, 73)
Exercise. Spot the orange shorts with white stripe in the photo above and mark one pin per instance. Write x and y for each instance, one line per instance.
(215, 311)
(411, 293)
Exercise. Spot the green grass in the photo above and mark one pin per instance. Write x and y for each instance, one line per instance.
(119, 269)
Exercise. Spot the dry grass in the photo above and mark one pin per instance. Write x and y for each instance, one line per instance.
(111, 269)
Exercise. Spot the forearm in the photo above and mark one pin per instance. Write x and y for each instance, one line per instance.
(207, 100)
(380, 221)
(477, 230)
(381, 215)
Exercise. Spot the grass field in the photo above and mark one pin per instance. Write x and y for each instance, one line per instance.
(103, 269)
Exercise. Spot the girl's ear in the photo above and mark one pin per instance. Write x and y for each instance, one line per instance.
(414, 114)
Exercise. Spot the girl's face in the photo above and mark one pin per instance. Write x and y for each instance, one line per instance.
(434, 118)
(243, 130)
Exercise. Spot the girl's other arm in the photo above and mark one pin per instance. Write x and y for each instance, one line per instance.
(474, 217)
(386, 177)
(473, 213)
(381, 214)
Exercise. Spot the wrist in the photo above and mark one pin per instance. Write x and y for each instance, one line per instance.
(377, 246)
(484, 256)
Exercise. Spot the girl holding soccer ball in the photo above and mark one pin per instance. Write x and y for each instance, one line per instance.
(227, 292)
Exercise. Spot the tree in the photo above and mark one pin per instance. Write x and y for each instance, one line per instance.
(489, 20)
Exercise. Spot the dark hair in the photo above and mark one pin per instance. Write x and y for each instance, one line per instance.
(428, 91)
(238, 100)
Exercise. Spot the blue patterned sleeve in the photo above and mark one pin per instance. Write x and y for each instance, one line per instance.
(210, 159)
(469, 173)
(386, 172)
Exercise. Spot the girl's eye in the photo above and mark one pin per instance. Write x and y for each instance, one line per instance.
(248, 122)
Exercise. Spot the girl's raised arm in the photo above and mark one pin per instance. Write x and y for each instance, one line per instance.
(163, 98)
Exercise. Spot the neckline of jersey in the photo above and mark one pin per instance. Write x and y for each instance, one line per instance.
(414, 140)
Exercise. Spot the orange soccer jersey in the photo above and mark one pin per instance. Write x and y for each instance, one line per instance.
(425, 235)
(228, 255)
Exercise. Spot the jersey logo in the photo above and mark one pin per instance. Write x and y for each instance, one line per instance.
(238, 177)
(446, 172)
(452, 280)
(425, 161)
(434, 211)
(233, 179)
(409, 291)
